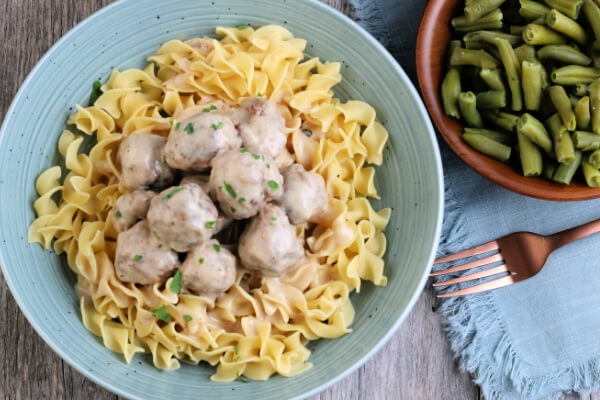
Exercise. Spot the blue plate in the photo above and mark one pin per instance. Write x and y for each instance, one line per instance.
(121, 36)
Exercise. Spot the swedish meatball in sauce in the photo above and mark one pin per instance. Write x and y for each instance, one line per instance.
(142, 162)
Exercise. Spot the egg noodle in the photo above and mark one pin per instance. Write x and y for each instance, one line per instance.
(250, 331)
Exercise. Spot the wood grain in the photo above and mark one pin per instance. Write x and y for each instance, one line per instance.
(415, 364)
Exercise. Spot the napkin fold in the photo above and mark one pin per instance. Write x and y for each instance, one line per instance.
(532, 340)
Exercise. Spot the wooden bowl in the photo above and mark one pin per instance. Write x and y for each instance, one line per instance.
(434, 34)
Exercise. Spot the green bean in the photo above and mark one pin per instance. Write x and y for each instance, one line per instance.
(581, 89)
(562, 104)
(489, 36)
(535, 34)
(563, 53)
(453, 44)
(479, 8)
(549, 169)
(487, 146)
(594, 158)
(526, 52)
(467, 103)
(582, 113)
(492, 20)
(592, 13)
(565, 172)
(565, 25)
(595, 55)
(491, 99)
(492, 78)
(563, 145)
(586, 141)
(477, 58)
(503, 120)
(595, 106)
(488, 48)
(568, 7)
(575, 74)
(532, 9)
(531, 156)
(573, 100)
(532, 84)
(499, 136)
(516, 29)
(513, 72)
(529, 126)
(451, 88)
(591, 174)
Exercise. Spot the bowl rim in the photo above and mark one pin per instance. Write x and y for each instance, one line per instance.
(422, 280)
(493, 170)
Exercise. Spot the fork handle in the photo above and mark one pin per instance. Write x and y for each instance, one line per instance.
(570, 235)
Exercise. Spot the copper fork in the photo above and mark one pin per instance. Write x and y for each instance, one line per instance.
(523, 254)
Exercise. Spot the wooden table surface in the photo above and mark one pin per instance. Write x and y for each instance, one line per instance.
(414, 364)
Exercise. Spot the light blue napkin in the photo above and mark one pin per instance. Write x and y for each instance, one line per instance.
(540, 337)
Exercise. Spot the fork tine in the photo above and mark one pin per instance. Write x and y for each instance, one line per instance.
(483, 248)
(472, 264)
(482, 287)
(481, 274)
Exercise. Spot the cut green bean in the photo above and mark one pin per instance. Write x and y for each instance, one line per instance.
(532, 84)
(489, 36)
(503, 120)
(492, 78)
(491, 99)
(573, 100)
(549, 169)
(487, 146)
(532, 9)
(582, 113)
(595, 55)
(492, 20)
(595, 106)
(513, 72)
(467, 103)
(565, 172)
(563, 145)
(488, 48)
(503, 137)
(531, 156)
(575, 74)
(562, 104)
(516, 29)
(477, 58)
(565, 25)
(586, 141)
(526, 52)
(591, 174)
(479, 8)
(453, 44)
(570, 8)
(535, 131)
(594, 158)
(451, 88)
(535, 34)
(581, 89)
(592, 13)
(563, 53)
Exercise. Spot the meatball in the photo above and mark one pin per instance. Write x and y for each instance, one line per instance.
(269, 244)
(208, 269)
(200, 180)
(242, 181)
(130, 208)
(304, 194)
(142, 161)
(141, 258)
(262, 127)
(193, 143)
(182, 216)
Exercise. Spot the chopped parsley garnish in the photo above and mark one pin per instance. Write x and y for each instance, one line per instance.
(201, 261)
(240, 378)
(173, 193)
(220, 188)
(230, 189)
(273, 185)
(232, 209)
(243, 150)
(187, 318)
(118, 214)
(210, 224)
(218, 126)
(171, 122)
(256, 156)
(162, 314)
(241, 200)
(236, 359)
(189, 128)
(165, 158)
(156, 235)
(177, 125)
(274, 218)
(209, 109)
(236, 349)
(240, 27)
(176, 282)
(160, 246)
(268, 165)
(138, 257)
(96, 92)
(154, 189)
(217, 248)
(259, 94)
(318, 306)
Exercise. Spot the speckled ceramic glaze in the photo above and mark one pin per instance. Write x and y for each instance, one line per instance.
(122, 36)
